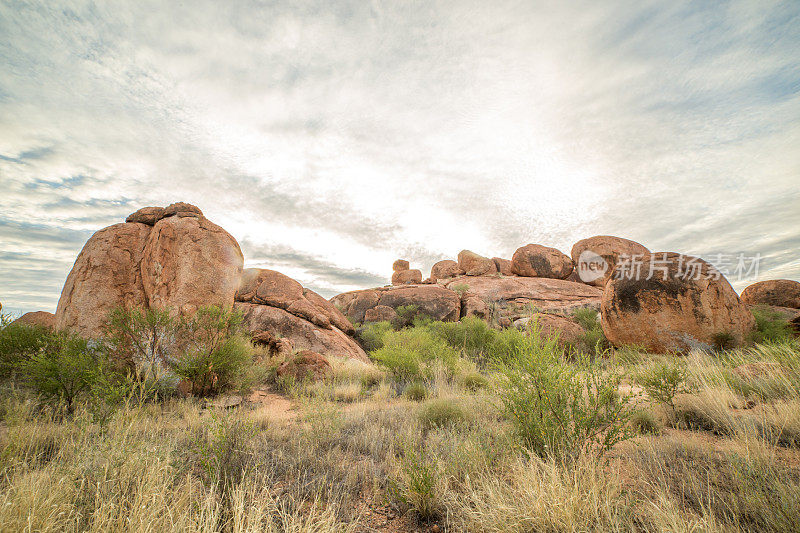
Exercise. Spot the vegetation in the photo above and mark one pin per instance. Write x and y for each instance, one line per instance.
(458, 427)
(770, 325)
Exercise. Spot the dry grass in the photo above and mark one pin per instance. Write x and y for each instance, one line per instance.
(358, 449)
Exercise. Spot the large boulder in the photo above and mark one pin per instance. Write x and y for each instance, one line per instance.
(146, 215)
(106, 275)
(434, 301)
(684, 304)
(550, 325)
(400, 264)
(41, 319)
(406, 277)
(596, 257)
(537, 261)
(305, 366)
(303, 334)
(445, 269)
(190, 262)
(475, 265)
(777, 292)
(503, 266)
(517, 297)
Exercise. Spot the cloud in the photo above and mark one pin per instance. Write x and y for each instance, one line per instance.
(332, 138)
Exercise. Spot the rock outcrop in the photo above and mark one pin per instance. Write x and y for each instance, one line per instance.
(503, 266)
(41, 319)
(303, 334)
(190, 262)
(777, 292)
(106, 275)
(402, 274)
(685, 304)
(537, 261)
(475, 265)
(516, 297)
(146, 215)
(446, 269)
(596, 257)
(305, 366)
(568, 331)
(435, 301)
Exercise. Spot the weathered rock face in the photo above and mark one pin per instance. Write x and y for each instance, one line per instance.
(190, 262)
(503, 266)
(182, 209)
(550, 325)
(106, 275)
(433, 300)
(405, 277)
(305, 366)
(380, 313)
(475, 265)
(596, 257)
(676, 310)
(146, 215)
(400, 264)
(269, 287)
(41, 319)
(537, 261)
(516, 296)
(303, 334)
(445, 269)
(778, 292)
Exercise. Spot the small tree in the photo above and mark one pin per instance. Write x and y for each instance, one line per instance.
(663, 382)
(142, 339)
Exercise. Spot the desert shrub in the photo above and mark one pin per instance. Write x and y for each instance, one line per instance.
(460, 289)
(441, 412)
(593, 340)
(645, 422)
(771, 326)
(410, 354)
(215, 354)
(220, 450)
(471, 335)
(142, 339)
(512, 344)
(20, 342)
(723, 340)
(417, 485)
(474, 380)
(663, 381)
(416, 391)
(68, 368)
(560, 410)
(372, 335)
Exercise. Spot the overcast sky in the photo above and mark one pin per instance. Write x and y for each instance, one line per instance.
(331, 138)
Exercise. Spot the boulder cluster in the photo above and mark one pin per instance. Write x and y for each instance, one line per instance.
(174, 258)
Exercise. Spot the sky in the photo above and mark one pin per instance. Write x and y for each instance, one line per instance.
(331, 138)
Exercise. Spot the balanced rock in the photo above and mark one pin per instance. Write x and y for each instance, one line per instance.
(475, 265)
(182, 209)
(684, 304)
(596, 257)
(146, 215)
(405, 277)
(41, 319)
(537, 261)
(445, 269)
(106, 275)
(400, 264)
(777, 292)
(189, 263)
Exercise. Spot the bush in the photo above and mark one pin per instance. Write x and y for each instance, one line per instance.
(724, 340)
(20, 342)
(662, 382)
(68, 368)
(142, 339)
(442, 412)
(216, 354)
(411, 354)
(460, 288)
(417, 484)
(372, 335)
(471, 335)
(594, 340)
(416, 391)
(645, 422)
(474, 380)
(771, 326)
(559, 410)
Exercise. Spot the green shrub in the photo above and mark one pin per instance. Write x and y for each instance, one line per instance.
(645, 422)
(724, 340)
(561, 410)
(441, 412)
(410, 354)
(372, 335)
(594, 339)
(474, 380)
(662, 382)
(68, 368)
(416, 391)
(460, 289)
(20, 342)
(221, 450)
(471, 335)
(511, 344)
(142, 339)
(771, 326)
(417, 485)
(216, 354)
